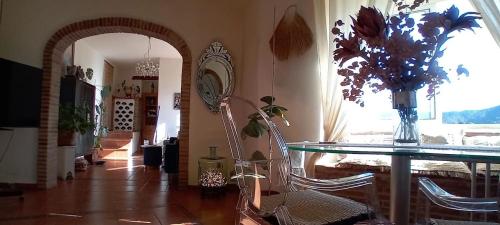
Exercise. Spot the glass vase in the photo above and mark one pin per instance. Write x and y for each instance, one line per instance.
(406, 133)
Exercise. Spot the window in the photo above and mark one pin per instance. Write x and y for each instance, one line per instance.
(465, 103)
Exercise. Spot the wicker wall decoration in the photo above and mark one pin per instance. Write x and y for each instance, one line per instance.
(123, 115)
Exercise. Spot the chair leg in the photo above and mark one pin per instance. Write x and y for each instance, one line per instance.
(498, 194)
(427, 210)
(283, 216)
(238, 212)
(417, 204)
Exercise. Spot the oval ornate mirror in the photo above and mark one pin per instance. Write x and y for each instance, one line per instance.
(215, 75)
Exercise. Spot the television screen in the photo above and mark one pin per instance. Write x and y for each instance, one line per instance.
(20, 94)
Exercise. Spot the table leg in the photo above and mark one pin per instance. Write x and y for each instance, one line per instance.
(400, 190)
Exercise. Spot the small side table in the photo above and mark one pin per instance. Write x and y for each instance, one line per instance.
(152, 155)
(218, 164)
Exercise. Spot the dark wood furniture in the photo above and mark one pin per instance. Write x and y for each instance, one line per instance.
(149, 116)
(171, 156)
(79, 94)
(152, 155)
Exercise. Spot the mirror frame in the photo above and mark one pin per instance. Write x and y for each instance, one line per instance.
(215, 53)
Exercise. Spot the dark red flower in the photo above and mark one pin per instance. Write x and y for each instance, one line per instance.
(387, 56)
(369, 24)
(346, 49)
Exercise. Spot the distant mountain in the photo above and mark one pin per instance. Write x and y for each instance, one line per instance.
(482, 116)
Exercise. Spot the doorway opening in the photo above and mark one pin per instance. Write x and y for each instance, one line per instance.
(52, 71)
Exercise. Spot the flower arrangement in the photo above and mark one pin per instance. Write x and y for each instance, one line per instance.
(382, 53)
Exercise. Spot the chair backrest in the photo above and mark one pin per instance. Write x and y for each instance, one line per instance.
(260, 153)
(435, 194)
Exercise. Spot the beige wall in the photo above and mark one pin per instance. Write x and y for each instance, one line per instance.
(296, 85)
(243, 26)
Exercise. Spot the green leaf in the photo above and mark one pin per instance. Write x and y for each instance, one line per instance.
(253, 129)
(256, 129)
(73, 118)
(106, 90)
(255, 116)
(268, 99)
(249, 130)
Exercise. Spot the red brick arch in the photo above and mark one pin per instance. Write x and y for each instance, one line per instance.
(52, 68)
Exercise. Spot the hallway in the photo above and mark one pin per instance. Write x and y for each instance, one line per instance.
(119, 192)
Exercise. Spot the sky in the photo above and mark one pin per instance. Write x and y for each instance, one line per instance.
(480, 54)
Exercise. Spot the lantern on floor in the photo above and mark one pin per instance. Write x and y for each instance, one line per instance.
(212, 181)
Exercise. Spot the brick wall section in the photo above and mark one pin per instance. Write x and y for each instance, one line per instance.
(52, 67)
(456, 186)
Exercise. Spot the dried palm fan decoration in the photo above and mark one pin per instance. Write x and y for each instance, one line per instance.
(291, 36)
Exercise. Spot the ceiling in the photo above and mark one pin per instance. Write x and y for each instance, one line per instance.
(126, 48)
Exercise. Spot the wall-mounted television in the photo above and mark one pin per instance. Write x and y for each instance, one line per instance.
(20, 94)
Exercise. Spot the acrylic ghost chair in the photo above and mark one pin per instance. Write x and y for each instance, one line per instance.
(435, 194)
(268, 189)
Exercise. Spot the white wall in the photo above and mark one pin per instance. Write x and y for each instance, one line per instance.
(87, 57)
(124, 72)
(169, 82)
(18, 164)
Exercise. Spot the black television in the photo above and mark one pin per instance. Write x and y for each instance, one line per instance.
(20, 94)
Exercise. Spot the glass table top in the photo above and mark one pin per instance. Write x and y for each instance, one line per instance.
(435, 152)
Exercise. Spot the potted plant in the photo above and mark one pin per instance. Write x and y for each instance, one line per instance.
(73, 120)
(101, 130)
(255, 128)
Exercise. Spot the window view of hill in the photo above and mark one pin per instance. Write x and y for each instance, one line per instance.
(483, 116)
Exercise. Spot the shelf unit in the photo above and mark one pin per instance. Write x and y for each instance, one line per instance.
(78, 93)
(149, 116)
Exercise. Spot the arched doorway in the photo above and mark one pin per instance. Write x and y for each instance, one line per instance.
(52, 64)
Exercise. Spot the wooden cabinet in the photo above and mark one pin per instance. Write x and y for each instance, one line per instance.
(149, 116)
(79, 94)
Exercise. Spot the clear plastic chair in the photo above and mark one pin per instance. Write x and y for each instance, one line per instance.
(268, 188)
(435, 194)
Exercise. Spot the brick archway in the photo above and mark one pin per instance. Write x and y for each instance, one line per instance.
(52, 68)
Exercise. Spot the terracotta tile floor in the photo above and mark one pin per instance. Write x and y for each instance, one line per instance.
(120, 192)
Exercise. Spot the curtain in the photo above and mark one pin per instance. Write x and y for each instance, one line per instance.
(491, 16)
(333, 107)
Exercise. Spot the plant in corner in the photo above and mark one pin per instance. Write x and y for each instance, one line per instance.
(73, 120)
(255, 128)
(101, 130)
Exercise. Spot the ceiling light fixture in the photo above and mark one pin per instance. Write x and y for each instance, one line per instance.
(147, 69)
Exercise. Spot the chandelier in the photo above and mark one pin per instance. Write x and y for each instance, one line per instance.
(147, 69)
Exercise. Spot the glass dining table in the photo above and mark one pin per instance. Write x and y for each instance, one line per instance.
(401, 157)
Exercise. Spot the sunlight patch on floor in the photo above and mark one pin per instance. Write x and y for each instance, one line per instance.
(65, 215)
(124, 168)
(134, 221)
